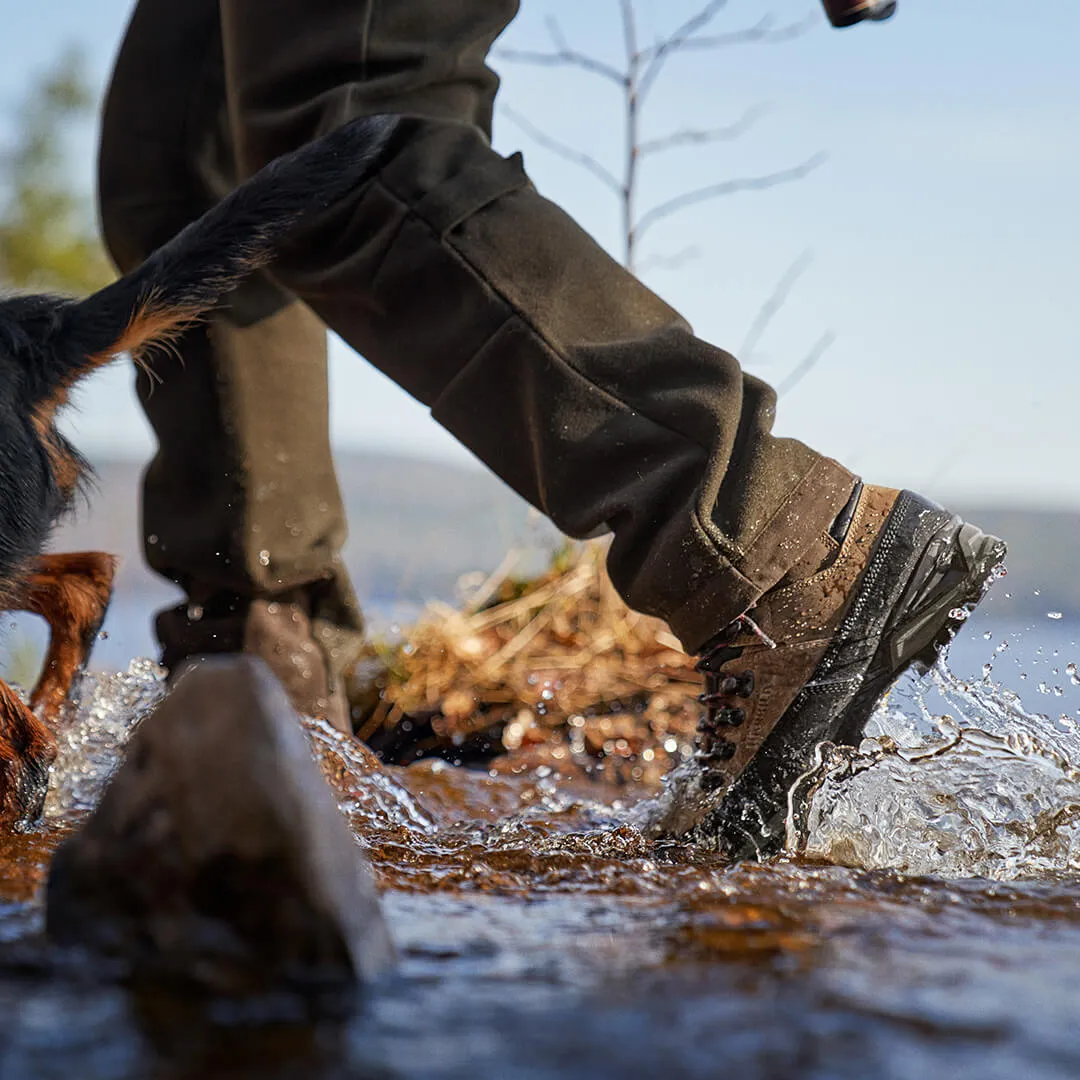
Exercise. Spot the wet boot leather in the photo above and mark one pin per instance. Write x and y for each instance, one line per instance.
(281, 631)
(815, 655)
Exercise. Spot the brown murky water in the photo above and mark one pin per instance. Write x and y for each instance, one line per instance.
(541, 934)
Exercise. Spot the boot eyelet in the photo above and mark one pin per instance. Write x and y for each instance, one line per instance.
(724, 751)
(733, 717)
(737, 685)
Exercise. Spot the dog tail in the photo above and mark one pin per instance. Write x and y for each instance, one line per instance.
(187, 276)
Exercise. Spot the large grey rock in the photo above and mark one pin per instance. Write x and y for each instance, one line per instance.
(217, 853)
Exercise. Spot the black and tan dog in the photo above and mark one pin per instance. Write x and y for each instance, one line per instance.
(49, 343)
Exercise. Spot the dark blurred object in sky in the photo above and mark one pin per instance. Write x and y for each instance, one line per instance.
(850, 12)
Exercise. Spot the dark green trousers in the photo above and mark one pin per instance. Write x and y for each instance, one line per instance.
(585, 392)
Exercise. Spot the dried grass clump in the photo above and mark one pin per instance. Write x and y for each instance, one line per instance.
(555, 670)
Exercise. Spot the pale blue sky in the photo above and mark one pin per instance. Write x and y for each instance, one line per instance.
(944, 227)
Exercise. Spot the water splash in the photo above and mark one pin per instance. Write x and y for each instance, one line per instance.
(97, 724)
(956, 779)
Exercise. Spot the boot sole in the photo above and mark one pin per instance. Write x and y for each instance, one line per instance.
(927, 573)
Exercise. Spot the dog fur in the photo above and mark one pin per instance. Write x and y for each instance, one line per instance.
(49, 343)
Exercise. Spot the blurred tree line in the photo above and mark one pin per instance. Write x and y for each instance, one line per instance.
(48, 235)
(48, 232)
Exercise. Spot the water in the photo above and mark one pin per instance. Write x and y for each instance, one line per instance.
(929, 925)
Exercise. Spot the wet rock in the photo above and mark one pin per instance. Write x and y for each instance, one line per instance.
(217, 854)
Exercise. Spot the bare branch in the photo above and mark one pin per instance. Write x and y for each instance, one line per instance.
(629, 32)
(563, 56)
(726, 187)
(807, 364)
(762, 32)
(568, 153)
(695, 137)
(776, 300)
(669, 262)
(654, 58)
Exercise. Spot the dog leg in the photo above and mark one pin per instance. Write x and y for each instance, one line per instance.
(27, 749)
(71, 593)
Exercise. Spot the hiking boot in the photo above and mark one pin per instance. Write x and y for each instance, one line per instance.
(886, 588)
(850, 12)
(312, 659)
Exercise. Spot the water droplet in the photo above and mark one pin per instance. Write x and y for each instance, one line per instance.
(1054, 615)
(987, 668)
(264, 557)
(194, 612)
(671, 745)
(1058, 692)
(152, 538)
(988, 635)
(959, 614)
(1038, 592)
(1043, 688)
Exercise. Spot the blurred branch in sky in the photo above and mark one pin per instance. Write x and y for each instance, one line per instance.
(636, 77)
(47, 235)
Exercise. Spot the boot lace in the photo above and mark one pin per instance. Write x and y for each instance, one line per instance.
(722, 691)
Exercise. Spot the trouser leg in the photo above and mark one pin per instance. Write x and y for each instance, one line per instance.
(243, 466)
(571, 380)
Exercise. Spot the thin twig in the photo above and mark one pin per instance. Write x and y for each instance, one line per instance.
(568, 153)
(697, 137)
(629, 31)
(571, 59)
(776, 300)
(669, 262)
(761, 32)
(563, 56)
(727, 187)
(807, 364)
(655, 57)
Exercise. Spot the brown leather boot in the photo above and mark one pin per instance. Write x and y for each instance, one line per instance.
(850, 12)
(300, 648)
(886, 588)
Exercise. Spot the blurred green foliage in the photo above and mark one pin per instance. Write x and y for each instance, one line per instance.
(48, 239)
